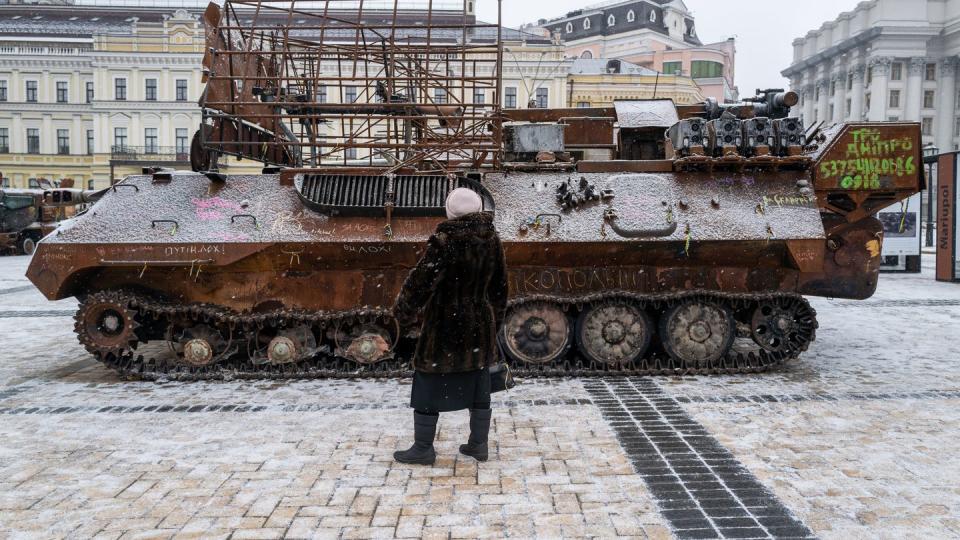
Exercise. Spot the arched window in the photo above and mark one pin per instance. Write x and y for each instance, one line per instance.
(569, 28)
(653, 16)
(611, 21)
(586, 24)
(631, 16)
(587, 54)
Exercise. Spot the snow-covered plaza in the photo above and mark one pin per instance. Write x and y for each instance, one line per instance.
(857, 439)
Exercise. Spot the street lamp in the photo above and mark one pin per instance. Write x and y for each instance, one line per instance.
(930, 155)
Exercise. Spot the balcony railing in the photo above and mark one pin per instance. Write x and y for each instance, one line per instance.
(150, 153)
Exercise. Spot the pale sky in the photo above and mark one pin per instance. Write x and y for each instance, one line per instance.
(764, 29)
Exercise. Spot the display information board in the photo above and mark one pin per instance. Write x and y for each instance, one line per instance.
(948, 241)
(901, 228)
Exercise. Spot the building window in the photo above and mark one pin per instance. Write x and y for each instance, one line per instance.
(893, 119)
(90, 184)
(931, 72)
(832, 110)
(181, 89)
(586, 24)
(583, 105)
(350, 94)
(927, 126)
(816, 93)
(3, 90)
(150, 140)
(849, 106)
(894, 99)
(322, 94)
(120, 139)
(543, 98)
(896, 71)
(869, 76)
(31, 91)
(703, 69)
(181, 142)
(479, 96)
(33, 141)
(63, 142)
(89, 92)
(439, 95)
(631, 16)
(611, 21)
(350, 153)
(673, 68)
(653, 16)
(850, 81)
(956, 127)
(150, 92)
(587, 54)
(510, 97)
(62, 92)
(120, 89)
(4, 141)
(928, 99)
(833, 88)
(89, 142)
(569, 28)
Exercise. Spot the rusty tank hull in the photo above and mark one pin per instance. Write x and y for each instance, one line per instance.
(642, 238)
(260, 284)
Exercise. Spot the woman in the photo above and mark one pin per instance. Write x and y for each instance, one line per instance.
(460, 288)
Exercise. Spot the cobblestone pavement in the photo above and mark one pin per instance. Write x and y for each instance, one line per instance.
(855, 440)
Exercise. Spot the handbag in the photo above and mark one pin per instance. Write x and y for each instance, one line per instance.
(501, 379)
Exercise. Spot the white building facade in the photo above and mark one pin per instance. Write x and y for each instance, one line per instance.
(887, 60)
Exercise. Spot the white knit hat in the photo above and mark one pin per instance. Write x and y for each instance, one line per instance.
(463, 201)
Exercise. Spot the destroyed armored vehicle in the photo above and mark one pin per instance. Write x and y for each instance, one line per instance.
(644, 237)
(27, 215)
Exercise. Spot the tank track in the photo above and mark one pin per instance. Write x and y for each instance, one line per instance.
(131, 365)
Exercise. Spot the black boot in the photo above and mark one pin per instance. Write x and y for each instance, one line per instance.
(422, 452)
(476, 446)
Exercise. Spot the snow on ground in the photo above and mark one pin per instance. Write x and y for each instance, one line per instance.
(854, 439)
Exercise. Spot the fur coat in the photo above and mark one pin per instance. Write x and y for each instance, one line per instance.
(459, 288)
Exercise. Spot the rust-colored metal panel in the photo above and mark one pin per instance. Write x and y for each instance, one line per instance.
(583, 133)
(860, 169)
(947, 217)
(555, 115)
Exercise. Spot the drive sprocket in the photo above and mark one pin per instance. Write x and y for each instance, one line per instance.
(106, 324)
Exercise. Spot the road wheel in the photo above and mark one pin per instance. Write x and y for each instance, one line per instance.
(616, 333)
(698, 333)
(27, 244)
(536, 333)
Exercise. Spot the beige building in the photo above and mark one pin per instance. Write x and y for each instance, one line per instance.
(96, 94)
(600, 83)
